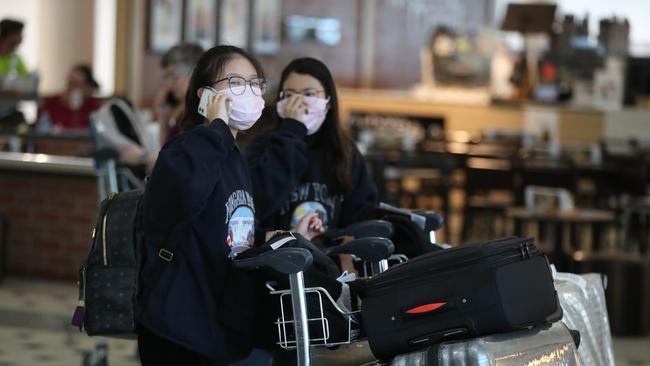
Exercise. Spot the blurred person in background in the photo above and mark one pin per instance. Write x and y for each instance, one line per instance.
(72, 108)
(169, 102)
(11, 36)
(11, 66)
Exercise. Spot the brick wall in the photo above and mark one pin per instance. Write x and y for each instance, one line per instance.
(50, 219)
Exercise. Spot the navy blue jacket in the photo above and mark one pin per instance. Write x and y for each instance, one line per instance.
(289, 180)
(198, 204)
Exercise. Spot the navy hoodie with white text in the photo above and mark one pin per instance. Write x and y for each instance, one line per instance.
(289, 181)
(198, 203)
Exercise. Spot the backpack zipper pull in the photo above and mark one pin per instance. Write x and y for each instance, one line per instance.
(524, 250)
(80, 311)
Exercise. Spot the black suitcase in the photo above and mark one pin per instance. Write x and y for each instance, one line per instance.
(463, 292)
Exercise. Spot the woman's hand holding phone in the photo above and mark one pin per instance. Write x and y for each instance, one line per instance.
(214, 105)
(296, 107)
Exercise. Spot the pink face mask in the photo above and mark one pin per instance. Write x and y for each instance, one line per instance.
(245, 109)
(315, 116)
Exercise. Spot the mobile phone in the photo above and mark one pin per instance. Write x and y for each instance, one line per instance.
(203, 103)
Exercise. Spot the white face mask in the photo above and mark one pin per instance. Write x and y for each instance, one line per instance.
(76, 99)
(315, 116)
(245, 109)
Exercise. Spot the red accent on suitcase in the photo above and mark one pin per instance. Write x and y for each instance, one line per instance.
(426, 308)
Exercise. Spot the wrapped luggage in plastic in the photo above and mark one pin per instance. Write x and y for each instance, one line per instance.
(582, 298)
(546, 345)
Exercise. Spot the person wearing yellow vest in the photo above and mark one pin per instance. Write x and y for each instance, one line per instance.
(11, 36)
(11, 66)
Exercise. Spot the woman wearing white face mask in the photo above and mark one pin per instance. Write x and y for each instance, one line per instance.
(194, 308)
(309, 163)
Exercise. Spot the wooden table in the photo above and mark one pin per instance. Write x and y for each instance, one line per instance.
(562, 228)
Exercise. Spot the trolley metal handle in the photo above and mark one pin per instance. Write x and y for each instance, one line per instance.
(290, 261)
(284, 260)
(370, 228)
(433, 221)
(367, 249)
(301, 328)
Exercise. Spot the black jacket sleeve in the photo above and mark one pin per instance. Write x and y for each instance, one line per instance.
(185, 174)
(277, 161)
(361, 202)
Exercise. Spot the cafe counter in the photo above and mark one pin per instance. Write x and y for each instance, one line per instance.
(49, 204)
(565, 123)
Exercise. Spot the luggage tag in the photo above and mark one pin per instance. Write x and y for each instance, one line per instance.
(283, 241)
(78, 315)
(346, 277)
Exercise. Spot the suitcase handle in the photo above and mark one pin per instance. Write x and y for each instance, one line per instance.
(367, 249)
(370, 228)
(437, 336)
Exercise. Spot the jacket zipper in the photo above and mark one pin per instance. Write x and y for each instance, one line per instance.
(104, 238)
(80, 311)
(82, 287)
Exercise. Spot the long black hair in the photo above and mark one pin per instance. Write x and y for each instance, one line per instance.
(208, 68)
(331, 138)
(87, 73)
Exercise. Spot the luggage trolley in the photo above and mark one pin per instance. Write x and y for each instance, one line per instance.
(293, 262)
(371, 248)
(374, 251)
(542, 345)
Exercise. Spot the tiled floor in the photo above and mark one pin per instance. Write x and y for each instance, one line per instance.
(632, 351)
(35, 327)
(35, 330)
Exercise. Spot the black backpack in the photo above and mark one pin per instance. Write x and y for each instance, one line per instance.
(108, 279)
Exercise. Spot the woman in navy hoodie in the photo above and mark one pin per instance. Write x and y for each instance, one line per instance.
(198, 213)
(308, 163)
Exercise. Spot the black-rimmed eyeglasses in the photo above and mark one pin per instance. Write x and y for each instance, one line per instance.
(288, 93)
(237, 85)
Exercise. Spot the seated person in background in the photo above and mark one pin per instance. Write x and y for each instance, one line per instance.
(72, 108)
(117, 125)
